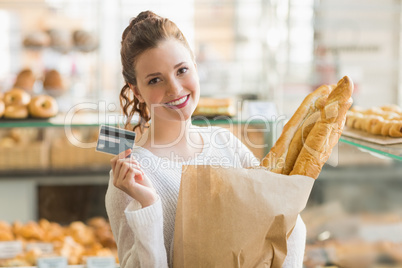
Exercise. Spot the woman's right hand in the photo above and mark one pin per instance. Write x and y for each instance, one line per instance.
(128, 177)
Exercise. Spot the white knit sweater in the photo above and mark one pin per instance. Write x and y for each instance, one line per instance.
(144, 236)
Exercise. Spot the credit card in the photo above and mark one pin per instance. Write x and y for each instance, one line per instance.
(113, 140)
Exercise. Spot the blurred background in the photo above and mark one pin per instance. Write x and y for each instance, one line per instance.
(264, 56)
(270, 50)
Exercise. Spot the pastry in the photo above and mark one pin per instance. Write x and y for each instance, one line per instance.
(43, 106)
(84, 41)
(25, 80)
(385, 120)
(53, 81)
(16, 96)
(36, 40)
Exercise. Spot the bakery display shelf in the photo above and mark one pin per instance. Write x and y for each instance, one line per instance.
(97, 119)
(60, 120)
(54, 173)
(393, 151)
(68, 266)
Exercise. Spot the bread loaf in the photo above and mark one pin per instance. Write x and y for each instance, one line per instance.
(275, 159)
(215, 107)
(326, 132)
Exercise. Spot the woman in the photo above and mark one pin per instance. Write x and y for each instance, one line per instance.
(162, 84)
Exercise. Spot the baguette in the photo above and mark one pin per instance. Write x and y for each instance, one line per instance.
(326, 132)
(275, 159)
(297, 142)
(301, 135)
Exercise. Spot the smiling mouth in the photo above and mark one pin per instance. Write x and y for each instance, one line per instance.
(178, 102)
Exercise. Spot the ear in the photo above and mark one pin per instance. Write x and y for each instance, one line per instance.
(136, 92)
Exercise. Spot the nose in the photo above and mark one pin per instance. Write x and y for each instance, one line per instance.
(174, 87)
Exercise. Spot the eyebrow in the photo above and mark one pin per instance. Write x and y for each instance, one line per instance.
(158, 73)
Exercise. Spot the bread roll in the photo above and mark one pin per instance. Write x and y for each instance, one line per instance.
(43, 106)
(369, 122)
(376, 124)
(85, 41)
(31, 230)
(60, 40)
(359, 123)
(16, 112)
(351, 118)
(392, 108)
(275, 159)
(53, 81)
(376, 120)
(386, 127)
(36, 40)
(16, 96)
(25, 80)
(396, 130)
(326, 132)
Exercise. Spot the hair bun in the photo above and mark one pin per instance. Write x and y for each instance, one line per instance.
(140, 17)
(143, 16)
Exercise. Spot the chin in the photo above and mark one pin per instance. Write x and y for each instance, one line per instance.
(175, 117)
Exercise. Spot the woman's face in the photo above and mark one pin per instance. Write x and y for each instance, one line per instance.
(167, 81)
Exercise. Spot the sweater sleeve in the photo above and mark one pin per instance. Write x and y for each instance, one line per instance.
(138, 231)
(296, 246)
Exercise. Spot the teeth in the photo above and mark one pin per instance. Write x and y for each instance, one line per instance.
(178, 102)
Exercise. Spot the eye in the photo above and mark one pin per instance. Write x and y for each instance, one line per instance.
(182, 70)
(153, 81)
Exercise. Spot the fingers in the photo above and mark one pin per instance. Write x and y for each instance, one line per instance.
(126, 169)
(122, 155)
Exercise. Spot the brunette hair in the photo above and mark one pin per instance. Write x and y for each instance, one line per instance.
(145, 31)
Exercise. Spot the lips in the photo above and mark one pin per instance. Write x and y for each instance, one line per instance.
(178, 103)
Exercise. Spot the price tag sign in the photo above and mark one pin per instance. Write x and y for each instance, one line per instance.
(10, 249)
(53, 262)
(46, 248)
(101, 262)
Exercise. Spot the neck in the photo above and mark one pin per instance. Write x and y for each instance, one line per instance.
(169, 133)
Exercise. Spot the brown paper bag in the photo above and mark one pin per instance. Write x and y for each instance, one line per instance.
(235, 217)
